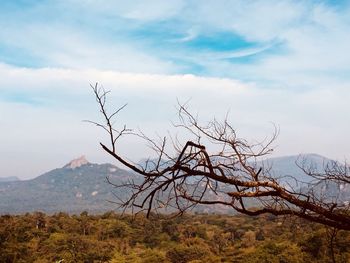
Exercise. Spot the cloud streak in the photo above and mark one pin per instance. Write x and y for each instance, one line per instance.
(54, 131)
(285, 62)
(180, 37)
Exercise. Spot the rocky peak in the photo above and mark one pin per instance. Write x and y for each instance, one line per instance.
(77, 162)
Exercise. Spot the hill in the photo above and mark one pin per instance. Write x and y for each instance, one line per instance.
(287, 167)
(76, 187)
(9, 179)
(82, 186)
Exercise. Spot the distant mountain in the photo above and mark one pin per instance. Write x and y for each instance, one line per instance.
(76, 187)
(82, 186)
(287, 168)
(9, 179)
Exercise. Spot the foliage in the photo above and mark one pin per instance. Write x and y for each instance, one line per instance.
(188, 239)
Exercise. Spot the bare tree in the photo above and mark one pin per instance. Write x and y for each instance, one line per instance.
(217, 167)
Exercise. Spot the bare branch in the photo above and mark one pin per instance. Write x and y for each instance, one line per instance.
(217, 167)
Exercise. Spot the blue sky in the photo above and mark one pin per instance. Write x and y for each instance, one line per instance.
(286, 62)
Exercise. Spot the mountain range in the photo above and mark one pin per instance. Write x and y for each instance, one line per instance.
(76, 187)
(9, 179)
(83, 186)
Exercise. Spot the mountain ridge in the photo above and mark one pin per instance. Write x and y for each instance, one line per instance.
(63, 189)
(83, 186)
(9, 179)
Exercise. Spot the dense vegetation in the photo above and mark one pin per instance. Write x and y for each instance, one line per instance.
(114, 238)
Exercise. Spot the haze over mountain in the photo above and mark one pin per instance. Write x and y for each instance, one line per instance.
(76, 187)
(9, 179)
(82, 186)
(287, 167)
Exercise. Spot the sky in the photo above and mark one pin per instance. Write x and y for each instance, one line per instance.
(266, 63)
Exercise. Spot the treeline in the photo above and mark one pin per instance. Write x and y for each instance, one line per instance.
(115, 238)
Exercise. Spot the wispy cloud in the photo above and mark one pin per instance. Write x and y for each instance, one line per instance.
(306, 119)
(281, 61)
(179, 36)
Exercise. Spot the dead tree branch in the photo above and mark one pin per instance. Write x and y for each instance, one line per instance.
(217, 167)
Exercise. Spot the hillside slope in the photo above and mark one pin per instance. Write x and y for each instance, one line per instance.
(82, 186)
(72, 188)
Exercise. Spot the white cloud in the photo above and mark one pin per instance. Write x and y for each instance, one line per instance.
(254, 20)
(313, 37)
(306, 44)
(137, 9)
(48, 135)
(62, 46)
(304, 87)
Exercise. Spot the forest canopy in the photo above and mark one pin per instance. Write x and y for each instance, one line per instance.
(115, 238)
